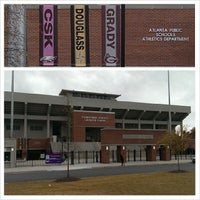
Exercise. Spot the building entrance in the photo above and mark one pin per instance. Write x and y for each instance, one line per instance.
(57, 128)
(7, 156)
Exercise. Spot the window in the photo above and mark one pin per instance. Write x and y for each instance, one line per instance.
(15, 127)
(93, 134)
(6, 156)
(36, 128)
(131, 126)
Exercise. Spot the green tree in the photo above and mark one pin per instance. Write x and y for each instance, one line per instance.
(177, 143)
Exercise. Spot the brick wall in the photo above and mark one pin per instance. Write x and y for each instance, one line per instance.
(36, 143)
(81, 120)
(138, 52)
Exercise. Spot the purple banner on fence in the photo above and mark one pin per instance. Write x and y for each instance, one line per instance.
(53, 158)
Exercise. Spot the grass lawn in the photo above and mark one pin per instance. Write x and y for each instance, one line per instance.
(167, 183)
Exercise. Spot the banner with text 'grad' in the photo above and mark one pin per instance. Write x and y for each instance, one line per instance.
(79, 36)
(111, 35)
(48, 35)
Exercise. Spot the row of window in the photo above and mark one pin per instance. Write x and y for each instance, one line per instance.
(32, 127)
(91, 96)
(143, 126)
(118, 125)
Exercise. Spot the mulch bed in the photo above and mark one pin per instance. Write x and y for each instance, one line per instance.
(179, 171)
(67, 179)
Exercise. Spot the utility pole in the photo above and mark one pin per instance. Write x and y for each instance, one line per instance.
(16, 35)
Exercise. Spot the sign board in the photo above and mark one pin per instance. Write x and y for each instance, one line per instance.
(80, 35)
(95, 118)
(48, 35)
(111, 35)
(53, 158)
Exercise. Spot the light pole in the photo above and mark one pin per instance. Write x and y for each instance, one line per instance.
(169, 104)
(68, 139)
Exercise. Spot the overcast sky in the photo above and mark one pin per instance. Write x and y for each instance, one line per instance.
(137, 86)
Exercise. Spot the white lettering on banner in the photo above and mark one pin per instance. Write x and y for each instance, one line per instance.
(94, 118)
(166, 35)
(110, 31)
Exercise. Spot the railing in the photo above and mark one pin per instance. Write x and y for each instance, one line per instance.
(75, 158)
(182, 157)
(82, 157)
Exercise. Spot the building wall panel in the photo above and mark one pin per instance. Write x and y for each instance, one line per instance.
(137, 52)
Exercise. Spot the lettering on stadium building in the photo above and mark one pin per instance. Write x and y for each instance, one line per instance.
(80, 37)
(48, 35)
(166, 35)
(111, 35)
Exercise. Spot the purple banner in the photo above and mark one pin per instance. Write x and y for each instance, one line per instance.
(53, 158)
(111, 35)
(48, 35)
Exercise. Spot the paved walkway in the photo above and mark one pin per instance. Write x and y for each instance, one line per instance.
(86, 166)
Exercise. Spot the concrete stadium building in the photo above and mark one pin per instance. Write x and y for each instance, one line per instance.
(98, 126)
(95, 35)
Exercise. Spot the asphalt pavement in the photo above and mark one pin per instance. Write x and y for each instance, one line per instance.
(23, 174)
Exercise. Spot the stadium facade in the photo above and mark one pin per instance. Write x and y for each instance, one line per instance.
(104, 35)
(96, 126)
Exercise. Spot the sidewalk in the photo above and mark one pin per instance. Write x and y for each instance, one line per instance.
(87, 166)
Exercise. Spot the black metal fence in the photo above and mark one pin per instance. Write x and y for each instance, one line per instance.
(80, 157)
(94, 157)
